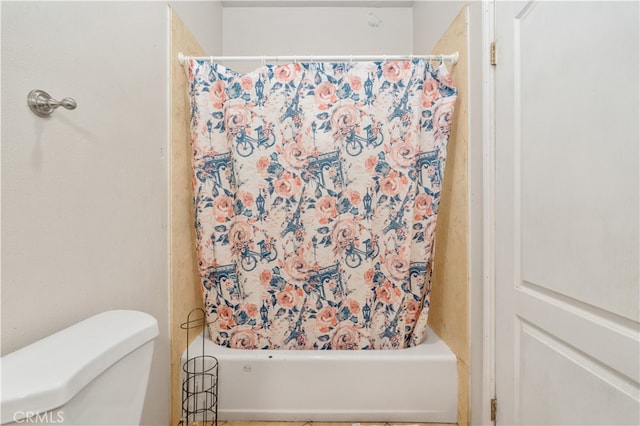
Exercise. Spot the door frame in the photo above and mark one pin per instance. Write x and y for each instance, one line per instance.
(488, 214)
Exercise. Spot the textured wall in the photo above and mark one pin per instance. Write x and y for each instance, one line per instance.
(84, 198)
(85, 192)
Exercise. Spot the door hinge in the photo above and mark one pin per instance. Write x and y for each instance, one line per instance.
(492, 53)
(494, 408)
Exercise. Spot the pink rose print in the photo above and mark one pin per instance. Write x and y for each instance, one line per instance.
(368, 275)
(237, 116)
(403, 154)
(446, 79)
(287, 185)
(396, 267)
(326, 209)
(345, 117)
(287, 73)
(240, 234)
(354, 306)
(265, 277)
(345, 231)
(222, 208)
(423, 206)
(225, 317)
(244, 339)
(442, 117)
(325, 94)
(370, 164)
(345, 337)
(246, 82)
(289, 297)
(246, 198)
(306, 184)
(430, 92)
(395, 70)
(217, 95)
(326, 319)
(354, 196)
(355, 82)
(393, 184)
(262, 164)
(295, 155)
(250, 308)
(296, 269)
(387, 293)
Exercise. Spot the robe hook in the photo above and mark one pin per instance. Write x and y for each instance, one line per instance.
(43, 105)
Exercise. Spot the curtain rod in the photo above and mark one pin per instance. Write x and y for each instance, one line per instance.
(453, 58)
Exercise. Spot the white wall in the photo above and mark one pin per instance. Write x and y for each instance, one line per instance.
(204, 20)
(430, 20)
(85, 192)
(315, 31)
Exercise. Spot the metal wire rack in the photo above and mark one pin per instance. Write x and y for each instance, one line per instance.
(199, 377)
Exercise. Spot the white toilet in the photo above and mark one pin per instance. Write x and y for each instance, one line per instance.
(92, 373)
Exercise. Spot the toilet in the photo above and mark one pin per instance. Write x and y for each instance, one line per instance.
(92, 373)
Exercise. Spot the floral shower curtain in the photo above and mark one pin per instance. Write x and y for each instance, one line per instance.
(316, 188)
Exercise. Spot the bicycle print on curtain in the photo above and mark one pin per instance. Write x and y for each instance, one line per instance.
(316, 189)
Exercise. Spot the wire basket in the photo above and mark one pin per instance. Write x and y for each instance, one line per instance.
(199, 378)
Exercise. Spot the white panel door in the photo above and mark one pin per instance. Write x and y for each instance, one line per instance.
(567, 215)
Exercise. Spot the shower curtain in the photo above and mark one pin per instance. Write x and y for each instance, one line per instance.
(316, 189)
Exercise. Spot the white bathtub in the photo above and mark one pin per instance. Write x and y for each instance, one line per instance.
(417, 384)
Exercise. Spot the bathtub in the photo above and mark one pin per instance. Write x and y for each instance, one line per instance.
(416, 384)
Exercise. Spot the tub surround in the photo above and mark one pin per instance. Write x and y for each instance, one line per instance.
(449, 313)
(449, 303)
(185, 280)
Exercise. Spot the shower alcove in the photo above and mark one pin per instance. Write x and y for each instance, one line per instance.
(329, 28)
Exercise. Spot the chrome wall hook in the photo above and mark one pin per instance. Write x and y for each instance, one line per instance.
(42, 104)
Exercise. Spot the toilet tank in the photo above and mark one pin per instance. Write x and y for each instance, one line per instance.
(87, 372)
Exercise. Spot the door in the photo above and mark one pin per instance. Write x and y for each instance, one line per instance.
(567, 195)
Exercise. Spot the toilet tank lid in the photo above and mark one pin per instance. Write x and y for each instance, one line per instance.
(51, 371)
